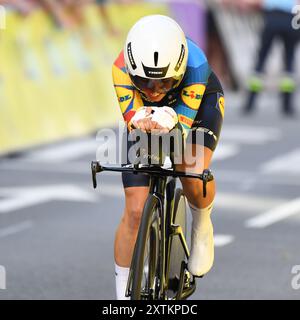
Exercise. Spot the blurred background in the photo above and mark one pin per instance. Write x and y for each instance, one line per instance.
(56, 91)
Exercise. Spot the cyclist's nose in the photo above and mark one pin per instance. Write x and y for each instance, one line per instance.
(155, 86)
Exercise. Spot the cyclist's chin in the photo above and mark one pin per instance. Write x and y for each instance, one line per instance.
(155, 97)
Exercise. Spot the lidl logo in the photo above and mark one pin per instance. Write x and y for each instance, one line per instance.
(125, 98)
(192, 95)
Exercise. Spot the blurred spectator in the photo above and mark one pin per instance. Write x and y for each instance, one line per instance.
(55, 8)
(277, 24)
(67, 14)
(244, 5)
(217, 54)
(106, 19)
(24, 7)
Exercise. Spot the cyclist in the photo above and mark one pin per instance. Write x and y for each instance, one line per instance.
(161, 78)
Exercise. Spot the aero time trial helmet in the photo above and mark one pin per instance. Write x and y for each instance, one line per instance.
(156, 54)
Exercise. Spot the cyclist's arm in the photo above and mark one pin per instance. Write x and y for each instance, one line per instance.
(128, 97)
(189, 104)
(191, 97)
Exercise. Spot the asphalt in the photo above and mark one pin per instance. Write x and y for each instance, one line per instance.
(57, 233)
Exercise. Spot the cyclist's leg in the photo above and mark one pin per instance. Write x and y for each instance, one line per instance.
(208, 121)
(126, 234)
(136, 189)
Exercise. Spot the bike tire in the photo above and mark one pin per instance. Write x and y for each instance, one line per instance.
(148, 235)
(177, 253)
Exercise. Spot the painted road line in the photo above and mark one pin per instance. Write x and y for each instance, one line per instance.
(277, 214)
(16, 228)
(20, 198)
(225, 151)
(222, 240)
(250, 134)
(287, 163)
(241, 177)
(245, 203)
(76, 167)
(63, 152)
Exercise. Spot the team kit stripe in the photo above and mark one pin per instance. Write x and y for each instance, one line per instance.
(188, 122)
(120, 62)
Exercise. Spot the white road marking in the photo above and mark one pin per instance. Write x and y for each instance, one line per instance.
(286, 163)
(19, 198)
(68, 168)
(16, 228)
(65, 151)
(241, 202)
(222, 240)
(250, 134)
(270, 217)
(240, 176)
(225, 151)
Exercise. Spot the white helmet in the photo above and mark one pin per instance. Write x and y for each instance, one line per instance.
(156, 53)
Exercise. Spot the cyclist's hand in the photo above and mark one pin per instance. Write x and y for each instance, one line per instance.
(154, 119)
(146, 125)
(142, 119)
(165, 117)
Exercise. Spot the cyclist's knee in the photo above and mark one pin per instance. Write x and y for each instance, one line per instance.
(193, 190)
(133, 217)
(135, 200)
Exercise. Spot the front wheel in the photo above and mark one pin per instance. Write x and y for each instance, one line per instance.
(144, 267)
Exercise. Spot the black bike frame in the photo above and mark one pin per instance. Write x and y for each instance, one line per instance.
(159, 187)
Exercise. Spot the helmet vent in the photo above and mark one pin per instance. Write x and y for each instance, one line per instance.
(130, 56)
(181, 57)
(155, 58)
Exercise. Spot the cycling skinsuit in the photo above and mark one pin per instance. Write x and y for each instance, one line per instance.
(198, 101)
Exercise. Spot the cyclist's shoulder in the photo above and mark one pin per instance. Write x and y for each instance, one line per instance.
(198, 69)
(119, 72)
(196, 57)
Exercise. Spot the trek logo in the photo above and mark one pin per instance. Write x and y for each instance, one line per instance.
(192, 95)
(125, 98)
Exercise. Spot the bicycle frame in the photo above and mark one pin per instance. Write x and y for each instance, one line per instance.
(163, 189)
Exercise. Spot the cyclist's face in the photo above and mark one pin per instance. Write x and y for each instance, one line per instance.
(154, 96)
(154, 89)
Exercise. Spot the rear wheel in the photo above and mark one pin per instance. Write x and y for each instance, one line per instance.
(146, 254)
(177, 253)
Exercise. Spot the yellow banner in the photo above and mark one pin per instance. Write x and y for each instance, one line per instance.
(57, 84)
